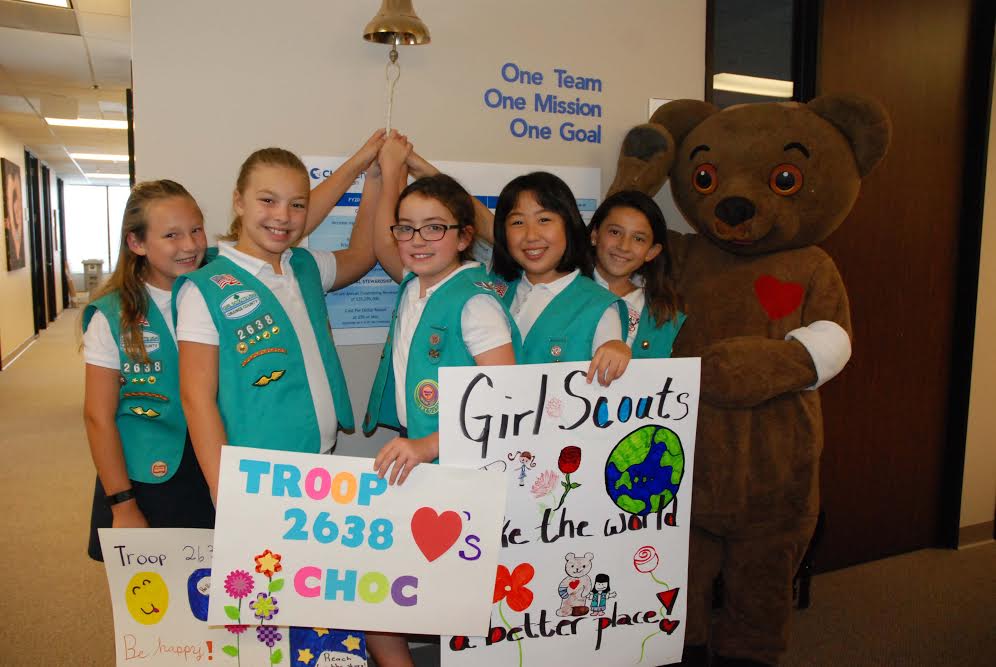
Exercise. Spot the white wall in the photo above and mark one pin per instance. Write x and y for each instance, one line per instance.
(215, 80)
(17, 320)
(979, 485)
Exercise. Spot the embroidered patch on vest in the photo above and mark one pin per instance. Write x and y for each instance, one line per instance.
(159, 469)
(144, 321)
(240, 304)
(634, 320)
(556, 350)
(223, 280)
(434, 339)
(151, 341)
(260, 353)
(427, 396)
(267, 379)
(142, 412)
(146, 394)
(498, 288)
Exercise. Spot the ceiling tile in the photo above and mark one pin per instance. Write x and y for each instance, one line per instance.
(105, 26)
(115, 7)
(43, 57)
(111, 62)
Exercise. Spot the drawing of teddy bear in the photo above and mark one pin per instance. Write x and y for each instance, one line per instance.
(576, 586)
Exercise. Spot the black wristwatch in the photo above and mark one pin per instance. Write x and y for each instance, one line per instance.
(120, 496)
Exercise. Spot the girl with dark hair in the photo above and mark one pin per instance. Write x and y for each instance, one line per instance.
(146, 471)
(600, 593)
(629, 240)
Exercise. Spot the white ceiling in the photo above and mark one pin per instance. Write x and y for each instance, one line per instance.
(92, 68)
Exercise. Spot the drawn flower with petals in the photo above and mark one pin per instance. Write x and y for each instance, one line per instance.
(236, 629)
(238, 584)
(544, 484)
(570, 459)
(264, 607)
(511, 586)
(267, 563)
(646, 559)
(268, 634)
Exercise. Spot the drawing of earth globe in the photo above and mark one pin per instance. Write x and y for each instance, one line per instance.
(644, 470)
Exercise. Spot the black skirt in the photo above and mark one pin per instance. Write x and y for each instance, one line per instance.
(182, 501)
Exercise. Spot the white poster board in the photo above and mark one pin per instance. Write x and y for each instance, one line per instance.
(160, 584)
(361, 313)
(354, 552)
(595, 540)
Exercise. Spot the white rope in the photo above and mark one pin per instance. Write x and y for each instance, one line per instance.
(390, 89)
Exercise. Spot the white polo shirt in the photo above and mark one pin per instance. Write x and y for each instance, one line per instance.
(635, 301)
(194, 323)
(99, 346)
(482, 320)
(531, 300)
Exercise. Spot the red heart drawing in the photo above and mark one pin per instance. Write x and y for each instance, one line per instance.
(777, 298)
(668, 626)
(667, 598)
(573, 584)
(435, 533)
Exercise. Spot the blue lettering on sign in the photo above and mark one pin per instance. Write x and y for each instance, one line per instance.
(511, 73)
(523, 130)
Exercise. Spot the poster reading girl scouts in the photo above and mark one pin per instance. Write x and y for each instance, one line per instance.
(160, 583)
(594, 557)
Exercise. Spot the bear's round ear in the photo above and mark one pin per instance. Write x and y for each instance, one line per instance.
(681, 116)
(863, 121)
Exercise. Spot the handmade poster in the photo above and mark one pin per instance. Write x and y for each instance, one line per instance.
(361, 313)
(160, 585)
(356, 552)
(594, 556)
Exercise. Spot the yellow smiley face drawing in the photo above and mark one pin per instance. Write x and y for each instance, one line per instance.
(147, 598)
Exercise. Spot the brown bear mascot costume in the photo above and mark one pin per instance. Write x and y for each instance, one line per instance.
(762, 184)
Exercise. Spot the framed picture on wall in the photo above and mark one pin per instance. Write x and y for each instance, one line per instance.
(13, 214)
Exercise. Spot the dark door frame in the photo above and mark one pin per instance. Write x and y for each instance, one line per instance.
(35, 243)
(48, 236)
(61, 203)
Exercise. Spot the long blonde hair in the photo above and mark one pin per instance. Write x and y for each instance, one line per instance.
(128, 279)
(274, 157)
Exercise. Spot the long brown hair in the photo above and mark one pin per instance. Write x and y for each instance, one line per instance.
(128, 279)
(274, 157)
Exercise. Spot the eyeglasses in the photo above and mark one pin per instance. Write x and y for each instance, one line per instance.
(431, 232)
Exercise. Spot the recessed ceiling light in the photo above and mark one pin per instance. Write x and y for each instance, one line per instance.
(752, 85)
(99, 157)
(94, 123)
(99, 176)
(51, 3)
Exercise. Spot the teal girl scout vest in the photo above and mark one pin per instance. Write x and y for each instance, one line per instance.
(149, 418)
(653, 342)
(566, 329)
(263, 392)
(437, 341)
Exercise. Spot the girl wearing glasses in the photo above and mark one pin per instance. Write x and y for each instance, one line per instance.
(447, 312)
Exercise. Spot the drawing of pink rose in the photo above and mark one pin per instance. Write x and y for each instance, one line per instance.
(645, 560)
(544, 484)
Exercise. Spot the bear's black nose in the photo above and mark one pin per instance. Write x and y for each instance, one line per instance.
(735, 210)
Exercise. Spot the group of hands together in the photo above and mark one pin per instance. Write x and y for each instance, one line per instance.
(391, 154)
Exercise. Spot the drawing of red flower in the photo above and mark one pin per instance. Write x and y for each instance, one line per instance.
(267, 563)
(236, 629)
(645, 559)
(570, 459)
(238, 584)
(511, 586)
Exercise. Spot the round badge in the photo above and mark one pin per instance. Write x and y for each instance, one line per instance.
(427, 396)
(159, 469)
(242, 348)
(152, 379)
(434, 339)
(266, 334)
(275, 330)
(556, 350)
(121, 379)
(645, 345)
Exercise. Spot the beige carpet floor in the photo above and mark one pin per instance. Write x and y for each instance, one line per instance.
(931, 608)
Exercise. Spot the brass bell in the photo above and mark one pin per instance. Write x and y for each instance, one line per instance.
(396, 23)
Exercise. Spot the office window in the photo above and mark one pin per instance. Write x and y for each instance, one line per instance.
(93, 224)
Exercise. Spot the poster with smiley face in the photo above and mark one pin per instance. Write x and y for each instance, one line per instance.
(160, 585)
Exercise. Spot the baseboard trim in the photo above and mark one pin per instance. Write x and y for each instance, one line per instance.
(18, 351)
(975, 534)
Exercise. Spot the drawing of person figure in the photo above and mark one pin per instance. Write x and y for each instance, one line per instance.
(13, 215)
(600, 593)
(526, 461)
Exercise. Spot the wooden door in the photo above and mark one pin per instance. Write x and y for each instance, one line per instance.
(892, 459)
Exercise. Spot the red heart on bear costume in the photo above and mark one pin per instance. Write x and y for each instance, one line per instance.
(573, 584)
(776, 297)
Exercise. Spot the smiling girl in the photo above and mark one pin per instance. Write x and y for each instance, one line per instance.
(146, 471)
